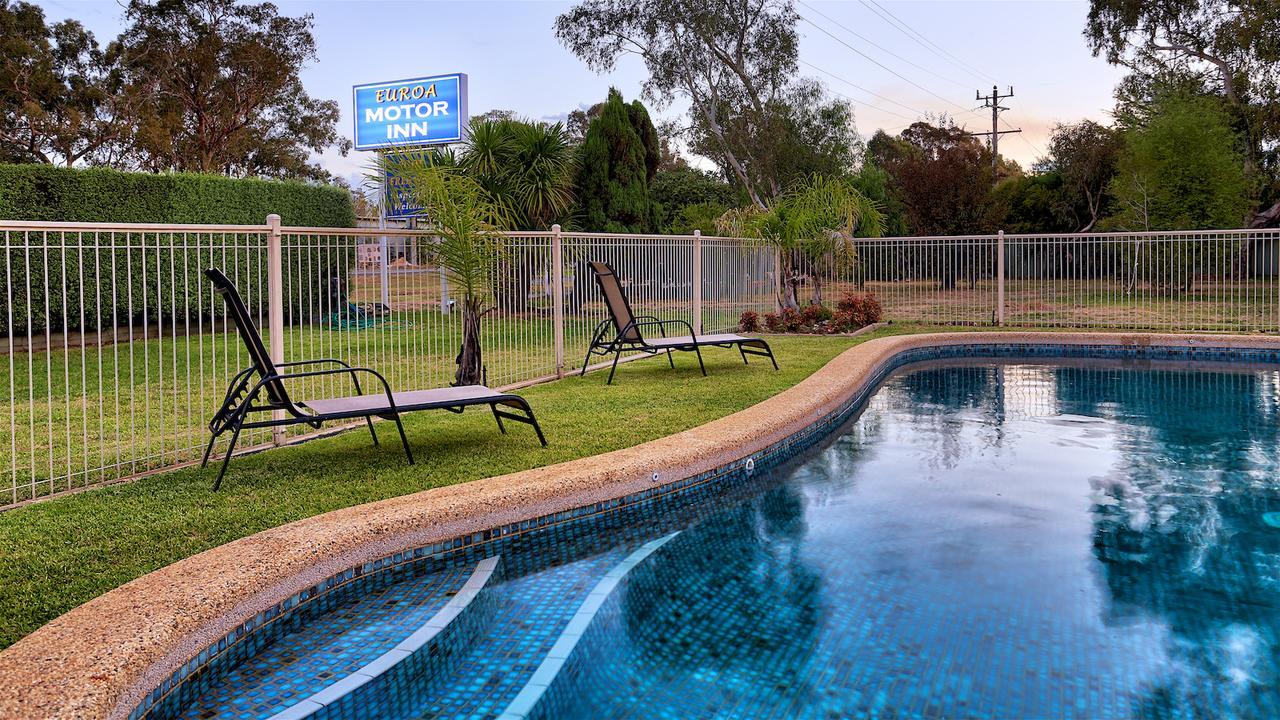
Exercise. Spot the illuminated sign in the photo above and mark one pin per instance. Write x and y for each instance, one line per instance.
(407, 113)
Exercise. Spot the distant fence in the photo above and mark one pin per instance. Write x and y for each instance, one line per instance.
(116, 350)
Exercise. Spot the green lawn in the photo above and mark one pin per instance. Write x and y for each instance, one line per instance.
(62, 552)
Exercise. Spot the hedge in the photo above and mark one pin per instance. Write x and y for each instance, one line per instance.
(147, 276)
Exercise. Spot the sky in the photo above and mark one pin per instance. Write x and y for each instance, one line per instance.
(894, 60)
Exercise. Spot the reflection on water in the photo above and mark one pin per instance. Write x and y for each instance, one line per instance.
(1008, 540)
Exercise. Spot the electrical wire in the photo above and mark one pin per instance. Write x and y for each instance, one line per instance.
(901, 26)
(880, 47)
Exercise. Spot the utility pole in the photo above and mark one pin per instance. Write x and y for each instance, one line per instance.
(993, 101)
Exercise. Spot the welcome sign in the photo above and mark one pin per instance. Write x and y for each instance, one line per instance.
(406, 113)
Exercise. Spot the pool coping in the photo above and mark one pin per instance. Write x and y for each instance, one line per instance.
(102, 658)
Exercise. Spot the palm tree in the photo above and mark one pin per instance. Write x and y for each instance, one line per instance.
(815, 220)
(530, 168)
(471, 248)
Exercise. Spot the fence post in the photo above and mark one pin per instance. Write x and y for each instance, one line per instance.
(1000, 278)
(275, 308)
(697, 282)
(557, 296)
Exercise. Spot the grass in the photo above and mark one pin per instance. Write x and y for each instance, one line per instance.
(65, 551)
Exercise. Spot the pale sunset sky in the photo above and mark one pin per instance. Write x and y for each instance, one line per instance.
(927, 56)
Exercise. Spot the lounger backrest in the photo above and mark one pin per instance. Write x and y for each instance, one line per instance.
(616, 300)
(249, 335)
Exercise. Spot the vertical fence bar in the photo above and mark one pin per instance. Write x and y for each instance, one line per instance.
(1000, 278)
(275, 307)
(557, 297)
(697, 282)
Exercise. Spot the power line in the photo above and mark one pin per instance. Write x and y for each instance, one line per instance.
(881, 48)
(913, 34)
(1025, 139)
(882, 65)
(869, 92)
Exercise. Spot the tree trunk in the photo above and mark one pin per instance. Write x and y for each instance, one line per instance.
(470, 361)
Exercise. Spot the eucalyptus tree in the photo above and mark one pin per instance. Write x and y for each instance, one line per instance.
(734, 60)
(813, 223)
(469, 223)
(1228, 47)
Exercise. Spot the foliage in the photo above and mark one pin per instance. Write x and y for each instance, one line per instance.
(874, 182)
(1182, 171)
(735, 61)
(1230, 48)
(802, 133)
(43, 192)
(63, 98)
(619, 159)
(527, 166)
(852, 312)
(468, 222)
(678, 188)
(1030, 204)
(1084, 155)
(940, 174)
(699, 216)
(814, 221)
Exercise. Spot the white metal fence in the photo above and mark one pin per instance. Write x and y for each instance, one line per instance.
(116, 350)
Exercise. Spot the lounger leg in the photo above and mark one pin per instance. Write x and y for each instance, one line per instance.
(213, 437)
(403, 440)
(585, 362)
(744, 354)
(534, 421)
(614, 369)
(235, 435)
(369, 420)
(769, 350)
(496, 416)
(700, 365)
(670, 361)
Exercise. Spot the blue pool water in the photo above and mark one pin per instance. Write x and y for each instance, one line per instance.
(986, 540)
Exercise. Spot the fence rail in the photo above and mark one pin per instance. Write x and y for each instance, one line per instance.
(116, 349)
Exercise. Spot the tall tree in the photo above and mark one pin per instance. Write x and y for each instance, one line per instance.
(64, 97)
(1234, 45)
(1182, 171)
(223, 91)
(940, 173)
(733, 59)
(1084, 156)
(619, 159)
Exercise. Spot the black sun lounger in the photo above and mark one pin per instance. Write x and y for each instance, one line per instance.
(624, 326)
(247, 388)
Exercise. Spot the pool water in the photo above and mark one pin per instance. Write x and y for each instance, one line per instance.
(998, 540)
(985, 540)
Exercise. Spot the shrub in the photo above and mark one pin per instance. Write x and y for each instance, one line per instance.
(153, 275)
(814, 313)
(774, 323)
(749, 321)
(860, 310)
(791, 320)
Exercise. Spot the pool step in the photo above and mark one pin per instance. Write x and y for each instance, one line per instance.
(423, 653)
(324, 649)
(525, 704)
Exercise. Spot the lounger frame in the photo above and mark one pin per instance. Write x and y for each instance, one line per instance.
(260, 389)
(628, 336)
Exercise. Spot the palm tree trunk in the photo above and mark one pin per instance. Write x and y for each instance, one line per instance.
(470, 360)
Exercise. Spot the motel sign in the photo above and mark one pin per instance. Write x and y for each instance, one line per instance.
(410, 113)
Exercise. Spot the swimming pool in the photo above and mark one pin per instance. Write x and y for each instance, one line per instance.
(987, 539)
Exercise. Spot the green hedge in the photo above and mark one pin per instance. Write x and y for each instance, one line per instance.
(149, 277)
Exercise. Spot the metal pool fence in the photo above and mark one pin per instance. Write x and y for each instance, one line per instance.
(116, 350)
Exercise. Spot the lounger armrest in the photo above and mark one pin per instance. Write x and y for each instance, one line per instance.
(347, 370)
(655, 322)
(324, 361)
